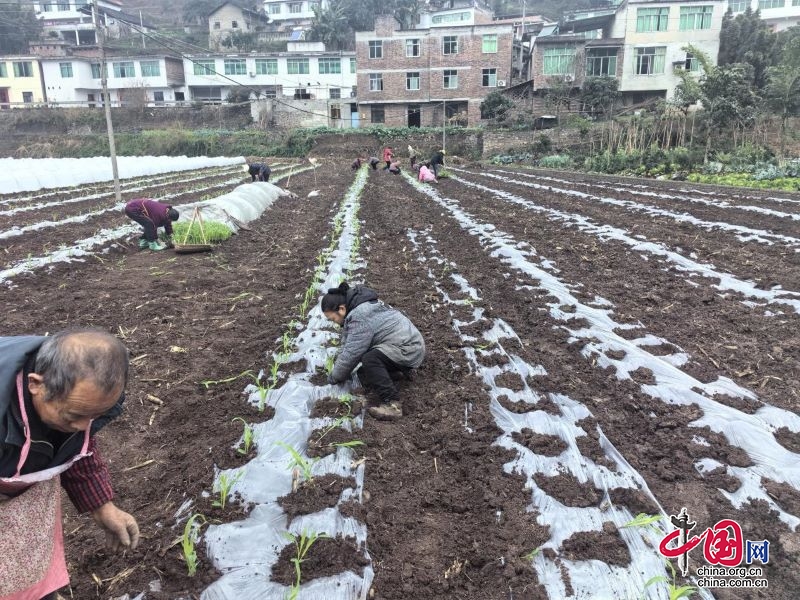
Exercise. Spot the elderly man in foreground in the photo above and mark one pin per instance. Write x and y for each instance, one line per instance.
(56, 393)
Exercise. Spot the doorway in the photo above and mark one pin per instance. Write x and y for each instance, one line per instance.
(414, 115)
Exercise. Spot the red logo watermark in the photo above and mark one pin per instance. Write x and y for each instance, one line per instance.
(723, 544)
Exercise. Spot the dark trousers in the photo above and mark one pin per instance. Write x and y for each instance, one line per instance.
(375, 374)
(436, 167)
(149, 227)
(388, 164)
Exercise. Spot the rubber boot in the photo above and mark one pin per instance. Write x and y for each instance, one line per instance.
(143, 243)
(156, 246)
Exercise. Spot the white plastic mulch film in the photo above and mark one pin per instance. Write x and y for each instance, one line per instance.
(27, 174)
(246, 550)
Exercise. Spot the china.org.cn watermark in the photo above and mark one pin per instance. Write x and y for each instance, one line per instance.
(731, 559)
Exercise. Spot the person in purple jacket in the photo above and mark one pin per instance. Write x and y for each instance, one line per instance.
(151, 215)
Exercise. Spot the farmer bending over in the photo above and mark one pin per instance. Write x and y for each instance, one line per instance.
(388, 157)
(56, 393)
(374, 162)
(437, 162)
(380, 337)
(151, 215)
(259, 172)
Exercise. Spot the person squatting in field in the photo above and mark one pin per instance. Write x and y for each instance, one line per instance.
(382, 338)
(394, 167)
(56, 393)
(388, 157)
(426, 175)
(259, 172)
(151, 215)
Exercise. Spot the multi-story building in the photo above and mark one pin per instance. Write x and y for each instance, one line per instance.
(779, 14)
(20, 81)
(305, 71)
(71, 20)
(641, 42)
(292, 12)
(440, 71)
(131, 81)
(228, 19)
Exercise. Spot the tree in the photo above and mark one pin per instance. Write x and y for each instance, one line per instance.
(331, 26)
(18, 27)
(196, 11)
(495, 106)
(783, 86)
(598, 94)
(746, 39)
(241, 41)
(407, 12)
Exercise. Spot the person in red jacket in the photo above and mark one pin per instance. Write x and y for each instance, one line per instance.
(151, 215)
(388, 157)
(56, 393)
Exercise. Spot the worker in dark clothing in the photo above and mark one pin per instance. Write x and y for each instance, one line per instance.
(437, 162)
(374, 162)
(356, 164)
(259, 172)
(151, 215)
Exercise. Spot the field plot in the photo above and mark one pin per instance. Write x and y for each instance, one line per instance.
(598, 348)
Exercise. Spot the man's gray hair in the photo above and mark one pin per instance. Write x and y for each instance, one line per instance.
(76, 355)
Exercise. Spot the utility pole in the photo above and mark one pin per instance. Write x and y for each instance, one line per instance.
(521, 45)
(100, 33)
(141, 29)
(444, 123)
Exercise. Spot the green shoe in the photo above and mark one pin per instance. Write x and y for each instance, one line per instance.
(156, 246)
(143, 243)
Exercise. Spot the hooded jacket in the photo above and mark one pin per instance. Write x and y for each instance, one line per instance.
(86, 481)
(370, 324)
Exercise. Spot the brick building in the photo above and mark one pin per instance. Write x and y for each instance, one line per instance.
(440, 70)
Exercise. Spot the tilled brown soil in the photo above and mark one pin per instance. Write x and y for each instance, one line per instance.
(444, 517)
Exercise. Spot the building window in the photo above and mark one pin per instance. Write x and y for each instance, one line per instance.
(450, 44)
(652, 19)
(3, 70)
(150, 68)
(490, 44)
(691, 64)
(376, 49)
(235, 66)
(274, 9)
(375, 82)
(650, 61)
(27, 97)
(335, 93)
(297, 66)
(412, 48)
(329, 66)
(313, 6)
(738, 6)
(352, 65)
(601, 62)
(295, 8)
(96, 71)
(66, 69)
(179, 96)
(377, 114)
(46, 7)
(23, 69)
(450, 79)
(124, 69)
(696, 17)
(266, 66)
(234, 24)
(762, 4)
(795, 2)
(452, 18)
(336, 112)
(204, 67)
(158, 97)
(489, 78)
(216, 25)
(63, 5)
(559, 61)
(412, 81)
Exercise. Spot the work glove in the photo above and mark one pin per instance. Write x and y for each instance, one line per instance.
(168, 241)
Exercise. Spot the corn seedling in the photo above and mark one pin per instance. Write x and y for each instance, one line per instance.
(273, 371)
(286, 341)
(209, 382)
(188, 541)
(329, 362)
(302, 544)
(215, 232)
(532, 554)
(643, 520)
(247, 436)
(347, 400)
(350, 444)
(675, 592)
(298, 462)
(223, 486)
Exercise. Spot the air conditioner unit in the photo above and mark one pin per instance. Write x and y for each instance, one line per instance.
(501, 83)
(569, 78)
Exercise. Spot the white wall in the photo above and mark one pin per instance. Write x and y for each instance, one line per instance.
(284, 14)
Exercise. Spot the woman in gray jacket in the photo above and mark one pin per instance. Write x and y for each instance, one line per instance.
(380, 337)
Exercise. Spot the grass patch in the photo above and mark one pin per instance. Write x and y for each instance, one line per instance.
(788, 184)
(215, 231)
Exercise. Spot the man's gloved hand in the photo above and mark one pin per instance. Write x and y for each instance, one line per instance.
(122, 531)
(168, 241)
(332, 380)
